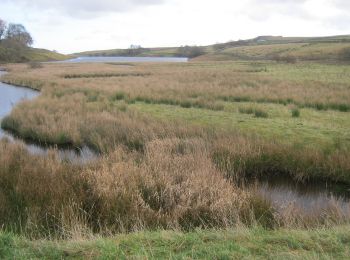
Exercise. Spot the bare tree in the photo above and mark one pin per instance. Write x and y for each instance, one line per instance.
(2, 28)
(19, 34)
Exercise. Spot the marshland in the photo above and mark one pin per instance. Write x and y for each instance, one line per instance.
(181, 146)
(232, 150)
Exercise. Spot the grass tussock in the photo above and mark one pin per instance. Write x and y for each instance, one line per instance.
(258, 112)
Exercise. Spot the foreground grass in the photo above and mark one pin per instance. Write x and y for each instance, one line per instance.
(254, 243)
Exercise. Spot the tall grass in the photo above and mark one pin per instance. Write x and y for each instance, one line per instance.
(154, 173)
(172, 184)
(325, 87)
(241, 158)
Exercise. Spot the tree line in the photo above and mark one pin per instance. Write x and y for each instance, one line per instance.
(14, 40)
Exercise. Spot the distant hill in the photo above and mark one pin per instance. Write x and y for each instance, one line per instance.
(28, 54)
(282, 48)
(141, 52)
(259, 48)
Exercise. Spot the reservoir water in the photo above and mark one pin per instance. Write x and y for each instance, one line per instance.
(125, 59)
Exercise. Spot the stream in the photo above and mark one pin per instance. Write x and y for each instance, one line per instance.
(283, 193)
(12, 95)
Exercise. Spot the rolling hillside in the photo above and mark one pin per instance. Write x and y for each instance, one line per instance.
(283, 48)
(29, 54)
(149, 52)
(34, 54)
(259, 48)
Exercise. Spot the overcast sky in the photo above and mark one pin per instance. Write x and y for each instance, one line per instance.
(77, 25)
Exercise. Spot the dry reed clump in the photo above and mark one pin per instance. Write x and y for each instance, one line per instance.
(34, 189)
(174, 185)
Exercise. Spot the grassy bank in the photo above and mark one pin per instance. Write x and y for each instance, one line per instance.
(229, 244)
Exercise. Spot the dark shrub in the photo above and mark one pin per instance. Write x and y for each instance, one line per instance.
(35, 65)
(295, 112)
(345, 54)
(260, 113)
(190, 51)
(287, 59)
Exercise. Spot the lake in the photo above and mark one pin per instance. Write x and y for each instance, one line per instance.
(125, 59)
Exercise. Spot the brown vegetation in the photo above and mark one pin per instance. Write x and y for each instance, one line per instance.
(154, 173)
(172, 184)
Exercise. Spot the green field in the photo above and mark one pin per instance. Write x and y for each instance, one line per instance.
(313, 128)
(240, 243)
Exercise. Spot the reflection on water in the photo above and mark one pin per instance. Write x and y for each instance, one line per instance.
(124, 59)
(9, 97)
(308, 199)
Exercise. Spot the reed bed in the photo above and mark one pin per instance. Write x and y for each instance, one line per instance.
(320, 88)
(173, 184)
(155, 173)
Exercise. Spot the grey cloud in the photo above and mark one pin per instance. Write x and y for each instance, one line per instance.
(281, 2)
(262, 9)
(341, 21)
(342, 4)
(84, 8)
